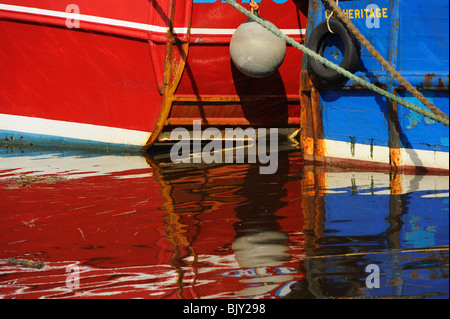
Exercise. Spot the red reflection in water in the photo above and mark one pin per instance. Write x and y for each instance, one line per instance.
(154, 230)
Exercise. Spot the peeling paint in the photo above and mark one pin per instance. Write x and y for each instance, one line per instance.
(428, 121)
(428, 80)
(413, 119)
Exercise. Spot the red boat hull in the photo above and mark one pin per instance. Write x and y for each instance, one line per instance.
(110, 73)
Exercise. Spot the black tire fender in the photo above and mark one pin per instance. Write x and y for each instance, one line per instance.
(352, 49)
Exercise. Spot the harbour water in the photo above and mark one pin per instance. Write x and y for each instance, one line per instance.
(132, 226)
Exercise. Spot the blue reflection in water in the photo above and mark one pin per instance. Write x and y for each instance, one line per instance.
(364, 223)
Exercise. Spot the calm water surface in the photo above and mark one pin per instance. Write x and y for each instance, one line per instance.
(143, 227)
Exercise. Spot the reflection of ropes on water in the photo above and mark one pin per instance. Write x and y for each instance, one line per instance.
(259, 244)
(175, 232)
(204, 195)
(421, 250)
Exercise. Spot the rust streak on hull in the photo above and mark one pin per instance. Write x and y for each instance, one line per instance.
(172, 73)
(306, 125)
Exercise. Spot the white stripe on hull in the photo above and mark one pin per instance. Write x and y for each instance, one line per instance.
(95, 133)
(423, 158)
(127, 24)
(355, 151)
(381, 154)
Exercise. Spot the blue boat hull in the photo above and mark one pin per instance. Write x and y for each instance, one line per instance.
(350, 124)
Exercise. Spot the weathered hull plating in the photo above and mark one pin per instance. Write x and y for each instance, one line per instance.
(353, 126)
(110, 74)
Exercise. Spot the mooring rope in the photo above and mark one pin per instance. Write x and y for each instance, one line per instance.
(391, 251)
(337, 68)
(383, 61)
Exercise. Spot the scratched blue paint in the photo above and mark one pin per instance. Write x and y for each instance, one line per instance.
(27, 140)
(421, 133)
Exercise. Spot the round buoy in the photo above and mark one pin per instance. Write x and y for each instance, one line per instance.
(255, 51)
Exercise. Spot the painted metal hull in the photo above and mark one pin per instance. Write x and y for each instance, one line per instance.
(106, 74)
(349, 125)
